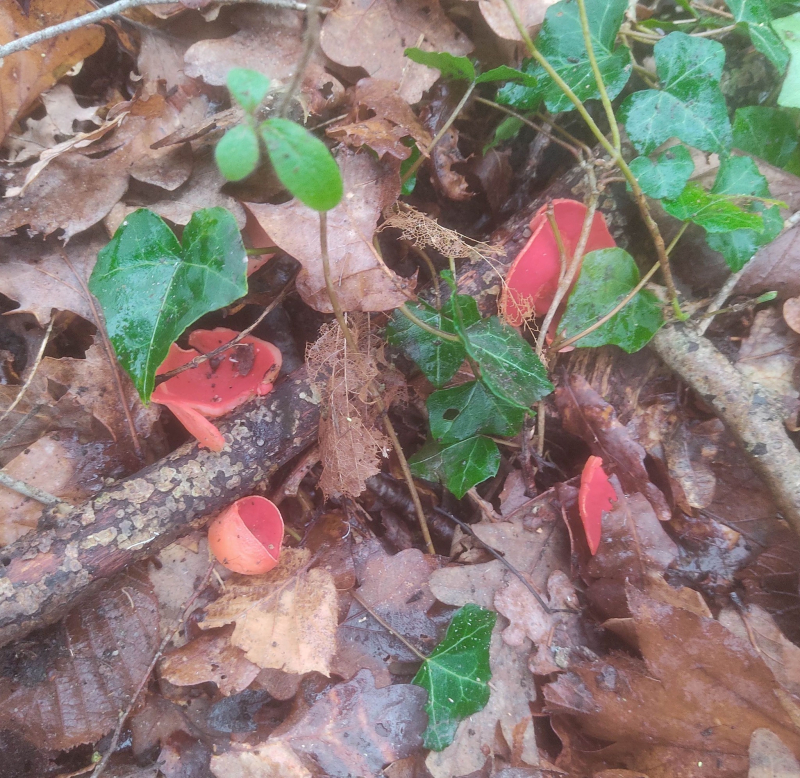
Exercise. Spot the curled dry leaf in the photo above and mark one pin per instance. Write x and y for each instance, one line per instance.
(285, 619)
(373, 34)
(362, 280)
(107, 646)
(445, 154)
(26, 74)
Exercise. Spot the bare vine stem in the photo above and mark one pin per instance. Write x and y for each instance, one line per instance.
(309, 47)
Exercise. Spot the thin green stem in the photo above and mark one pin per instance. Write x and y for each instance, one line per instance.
(427, 327)
(674, 241)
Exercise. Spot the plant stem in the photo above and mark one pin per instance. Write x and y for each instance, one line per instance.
(310, 42)
(33, 492)
(439, 135)
(36, 362)
(387, 627)
(351, 343)
(427, 327)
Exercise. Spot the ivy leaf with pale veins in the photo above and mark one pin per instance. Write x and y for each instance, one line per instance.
(152, 288)
(740, 176)
(607, 276)
(666, 176)
(756, 16)
(460, 465)
(769, 133)
(456, 674)
(561, 42)
(690, 105)
(470, 409)
(714, 212)
(788, 29)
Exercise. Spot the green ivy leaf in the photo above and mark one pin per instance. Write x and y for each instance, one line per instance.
(691, 106)
(407, 187)
(505, 73)
(460, 465)
(561, 42)
(740, 176)
(714, 212)
(470, 409)
(456, 674)
(447, 64)
(247, 87)
(788, 29)
(237, 152)
(438, 359)
(303, 164)
(666, 177)
(507, 129)
(152, 288)
(607, 276)
(509, 366)
(769, 133)
(756, 17)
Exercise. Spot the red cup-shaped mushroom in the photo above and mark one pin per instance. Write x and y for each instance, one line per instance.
(246, 537)
(595, 496)
(532, 281)
(216, 386)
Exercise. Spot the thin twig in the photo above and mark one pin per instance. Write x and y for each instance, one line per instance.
(404, 309)
(310, 42)
(720, 299)
(20, 424)
(34, 368)
(164, 643)
(26, 41)
(388, 628)
(34, 492)
(200, 358)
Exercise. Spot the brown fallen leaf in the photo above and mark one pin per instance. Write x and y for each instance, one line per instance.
(285, 619)
(374, 33)
(356, 729)
(445, 154)
(697, 697)
(273, 758)
(770, 758)
(362, 280)
(269, 40)
(586, 414)
(95, 666)
(791, 313)
(689, 452)
(496, 14)
(26, 74)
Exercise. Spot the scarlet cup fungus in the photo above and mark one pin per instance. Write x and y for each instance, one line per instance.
(532, 281)
(595, 496)
(218, 385)
(246, 537)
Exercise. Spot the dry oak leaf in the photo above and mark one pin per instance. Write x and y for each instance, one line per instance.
(362, 280)
(285, 619)
(373, 34)
(273, 758)
(769, 757)
(26, 74)
(271, 41)
(496, 14)
(356, 729)
(108, 644)
(697, 697)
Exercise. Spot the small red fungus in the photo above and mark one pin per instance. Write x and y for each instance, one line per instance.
(532, 281)
(595, 496)
(218, 385)
(246, 537)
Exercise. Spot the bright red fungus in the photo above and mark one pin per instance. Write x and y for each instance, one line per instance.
(218, 385)
(595, 496)
(246, 537)
(532, 281)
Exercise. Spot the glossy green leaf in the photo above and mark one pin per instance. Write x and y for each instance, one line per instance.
(460, 465)
(456, 674)
(768, 133)
(470, 409)
(438, 359)
(755, 16)
(665, 177)
(247, 87)
(690, 105)
(237, 152)
(407, 187)
(447, 64)
(509, 366)
(507, 129)
(788, 29)
(606, 277)
(505, 73)
(303, 164)
(714, 212)
(152, 288)
(561, 42)
(740, 176)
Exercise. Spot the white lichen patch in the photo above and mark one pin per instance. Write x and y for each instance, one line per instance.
(102, 538)
(137, 491)
(165, 479)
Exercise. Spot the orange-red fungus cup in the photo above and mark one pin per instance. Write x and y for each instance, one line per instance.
(246, 537)
(595, 496)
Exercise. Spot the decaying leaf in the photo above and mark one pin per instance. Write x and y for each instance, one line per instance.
(770, 758)
(497, 16)
(273, 758)
(285, 619)
(373, 34)
(97, 665)
(362, 280)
